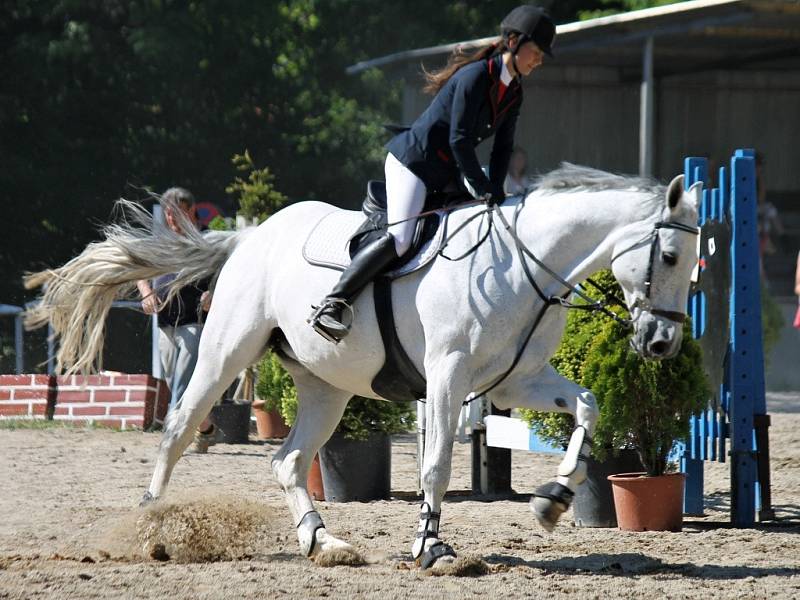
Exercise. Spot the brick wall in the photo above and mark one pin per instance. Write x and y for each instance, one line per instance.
(115, 400)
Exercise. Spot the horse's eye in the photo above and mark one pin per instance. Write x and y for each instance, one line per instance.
(669, 258)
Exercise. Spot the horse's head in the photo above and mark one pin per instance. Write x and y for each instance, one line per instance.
(653, 263)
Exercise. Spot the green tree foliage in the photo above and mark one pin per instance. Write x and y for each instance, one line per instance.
(612, 7)
(258, 198)
(107, 98)
(643, 404)
(582, 328)
(771, 322)
(275, 387)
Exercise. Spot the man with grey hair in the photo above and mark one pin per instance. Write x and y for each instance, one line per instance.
(180, 321)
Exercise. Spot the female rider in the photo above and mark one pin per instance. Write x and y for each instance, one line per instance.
(477, 96)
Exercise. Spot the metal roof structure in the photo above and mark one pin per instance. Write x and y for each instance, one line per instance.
(690, 36)
(652, 44)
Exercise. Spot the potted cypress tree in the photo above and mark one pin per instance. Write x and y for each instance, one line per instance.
(272, 385)
(595, 353)
(647, 405)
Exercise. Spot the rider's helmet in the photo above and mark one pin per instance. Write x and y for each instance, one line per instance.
(530, 23)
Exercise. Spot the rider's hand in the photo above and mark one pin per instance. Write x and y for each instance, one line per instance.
(205, 301)
(494, 196)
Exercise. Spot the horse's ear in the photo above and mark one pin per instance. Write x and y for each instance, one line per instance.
(675, 192)
(695, 194)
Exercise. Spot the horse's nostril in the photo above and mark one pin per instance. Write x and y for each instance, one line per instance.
(659, 348)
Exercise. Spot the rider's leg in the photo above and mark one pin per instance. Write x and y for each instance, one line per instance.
(369, 262)
(405, 197)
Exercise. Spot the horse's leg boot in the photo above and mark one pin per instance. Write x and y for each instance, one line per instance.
(372, 260)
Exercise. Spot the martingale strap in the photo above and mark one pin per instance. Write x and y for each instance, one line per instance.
(525, 253)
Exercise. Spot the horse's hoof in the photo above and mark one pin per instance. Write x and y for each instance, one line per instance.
(549, 502)
(437, 553)
(547, 511)
(147, 499)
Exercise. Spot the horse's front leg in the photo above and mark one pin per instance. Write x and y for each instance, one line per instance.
(446, 391)
(549, 391)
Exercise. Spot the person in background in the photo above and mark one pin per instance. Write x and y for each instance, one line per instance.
(797, 292)
(770, 227)
(517, 181)
(180, 321)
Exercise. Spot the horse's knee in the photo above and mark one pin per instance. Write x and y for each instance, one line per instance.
(287, 469)
(586, 412)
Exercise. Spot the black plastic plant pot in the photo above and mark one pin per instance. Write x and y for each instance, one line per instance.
(232, 420)
(356, 471)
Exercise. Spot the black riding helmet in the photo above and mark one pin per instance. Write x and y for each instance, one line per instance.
(530, 23)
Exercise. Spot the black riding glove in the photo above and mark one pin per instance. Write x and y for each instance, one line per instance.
(494, 196)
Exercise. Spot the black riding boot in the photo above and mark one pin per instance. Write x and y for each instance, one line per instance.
(327, 320)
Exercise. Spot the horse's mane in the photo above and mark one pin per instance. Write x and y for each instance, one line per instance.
(576, 177)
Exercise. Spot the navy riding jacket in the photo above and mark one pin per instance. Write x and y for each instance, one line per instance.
(441, 143)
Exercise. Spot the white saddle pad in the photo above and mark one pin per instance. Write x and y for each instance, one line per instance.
(327, 244)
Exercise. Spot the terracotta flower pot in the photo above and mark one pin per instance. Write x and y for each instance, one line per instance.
(314, 482)
(269, 423)
(648, 503)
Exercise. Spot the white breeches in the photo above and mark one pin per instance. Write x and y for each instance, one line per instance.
(405, 197)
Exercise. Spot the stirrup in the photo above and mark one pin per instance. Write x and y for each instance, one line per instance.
(329, 303)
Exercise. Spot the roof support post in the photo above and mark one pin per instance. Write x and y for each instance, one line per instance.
(646, 134)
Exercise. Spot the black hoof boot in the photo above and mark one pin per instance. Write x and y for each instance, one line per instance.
(549, 502)
(430, 556)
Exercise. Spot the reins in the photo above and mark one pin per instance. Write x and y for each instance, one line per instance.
(591, 304)
(524, 253)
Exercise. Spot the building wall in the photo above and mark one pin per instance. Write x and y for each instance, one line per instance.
(110, 399)
(590, 115)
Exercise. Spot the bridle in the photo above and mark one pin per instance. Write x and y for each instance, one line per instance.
(644, 303)
(592, 305)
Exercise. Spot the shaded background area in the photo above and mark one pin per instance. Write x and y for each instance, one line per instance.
(102, 99)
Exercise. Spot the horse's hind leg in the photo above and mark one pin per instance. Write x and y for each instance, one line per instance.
(319, 408)
(229, 343)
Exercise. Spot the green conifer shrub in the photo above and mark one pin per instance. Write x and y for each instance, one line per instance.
(644, 405)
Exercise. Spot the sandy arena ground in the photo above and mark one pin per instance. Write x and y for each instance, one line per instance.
(69, 528)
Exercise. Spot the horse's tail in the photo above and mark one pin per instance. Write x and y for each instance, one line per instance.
(78, 295)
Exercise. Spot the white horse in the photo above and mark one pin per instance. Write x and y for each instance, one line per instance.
(463, 323)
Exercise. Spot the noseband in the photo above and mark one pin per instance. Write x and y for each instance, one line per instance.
(644, 303)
